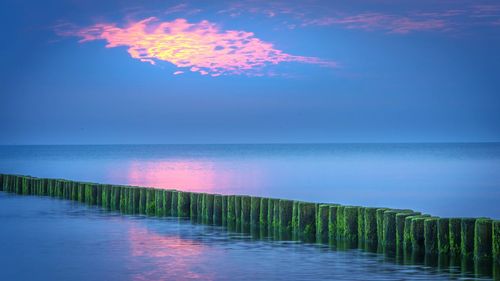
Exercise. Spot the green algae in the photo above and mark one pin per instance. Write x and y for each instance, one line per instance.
(264, 204)
(217, 216)
(255, 211)
(455, 236)
(340, 222)
(193, 206)
(380, 223)
(174, 210)
(285, 219)
(371, 233)
(150, 202)
(208, 208)
(183, 204)
(245, 213)
(231, 212)
(483, 238)
(350, 224)
(160, 207)
(431, 235)
(417, 237)
(307, 221)
(467, 236)
(332, 223)
(443, 237)
(224, 210)
(322, 223)
(361, 223)
(400, 227)
(496, 242)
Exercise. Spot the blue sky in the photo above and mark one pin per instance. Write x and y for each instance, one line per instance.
(256, 71)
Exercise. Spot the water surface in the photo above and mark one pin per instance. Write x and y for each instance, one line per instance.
(43, 238)
(441, 179)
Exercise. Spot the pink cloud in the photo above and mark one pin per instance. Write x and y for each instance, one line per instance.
(200, 47)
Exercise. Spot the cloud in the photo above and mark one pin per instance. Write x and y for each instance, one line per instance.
(378, 21)
(200, 47)
(401, 19)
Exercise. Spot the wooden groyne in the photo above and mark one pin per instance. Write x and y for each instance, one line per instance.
(382, 228)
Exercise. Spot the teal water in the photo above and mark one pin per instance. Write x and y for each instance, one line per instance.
(440, 179)
(43, 238)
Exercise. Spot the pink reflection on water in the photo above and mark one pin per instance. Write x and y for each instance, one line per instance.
(169, 257)
(196, 176)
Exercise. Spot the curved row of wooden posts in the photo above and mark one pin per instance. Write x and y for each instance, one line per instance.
(412, 231)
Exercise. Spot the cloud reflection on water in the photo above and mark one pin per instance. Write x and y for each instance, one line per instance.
(196, 176)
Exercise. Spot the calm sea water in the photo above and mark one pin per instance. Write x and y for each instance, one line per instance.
(43, 238)
(440, 179)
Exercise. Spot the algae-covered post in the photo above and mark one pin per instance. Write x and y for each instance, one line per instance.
(455, 236)
(443, 225)
(483, 238)
(264, 204)
(255, 211)
(351, 223)
(160, 208)
(208, 208)
(142, 202)
(496, 241)
(361, 224)
(217, 217)
(400, 227)
(237, 211)
(195, 206)
(417, 233)
(322, 223)
(183, 204)
(467, 236)
(174, 210)
(224, 210)
(285, 219)
(380, 223)
(332, 223)
(307, 221)
(389, 229)
(431, 235)
(231, 214)
(245, 213)
(270, 215)
(151, 202)
(371, 233)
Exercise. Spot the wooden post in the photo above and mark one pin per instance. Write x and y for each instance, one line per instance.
(307, 221)
(483, 242)
(322, 223)
(285, 219)
(183, 204)
(371, 233)
(455, 236)
(431, 235)
(467, 226)
(217, 218)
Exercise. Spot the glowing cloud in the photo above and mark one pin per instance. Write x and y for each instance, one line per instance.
(200, 47)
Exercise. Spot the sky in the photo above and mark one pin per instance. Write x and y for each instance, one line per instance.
(111, 72)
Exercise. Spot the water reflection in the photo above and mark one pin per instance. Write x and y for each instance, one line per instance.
(168, 255)
(189, 175)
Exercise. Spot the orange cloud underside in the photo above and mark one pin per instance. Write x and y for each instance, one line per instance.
(199, 47)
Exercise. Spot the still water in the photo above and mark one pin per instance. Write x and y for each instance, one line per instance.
(440, 179)
(44, 238)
